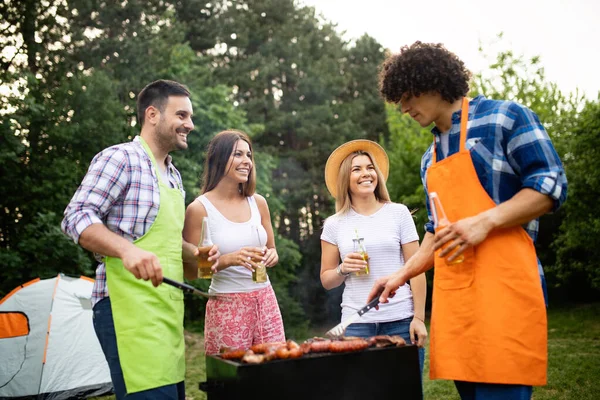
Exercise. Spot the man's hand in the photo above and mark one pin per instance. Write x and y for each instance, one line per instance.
(386, 287)
(467, 232)
(143, 265)
(523, 207)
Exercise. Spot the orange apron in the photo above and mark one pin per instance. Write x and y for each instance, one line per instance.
(488, 315)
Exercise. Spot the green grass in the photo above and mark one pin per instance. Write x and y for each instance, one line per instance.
(574, 354)
(573, 368)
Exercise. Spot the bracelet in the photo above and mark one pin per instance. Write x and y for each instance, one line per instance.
(422, 320)
(338, 270)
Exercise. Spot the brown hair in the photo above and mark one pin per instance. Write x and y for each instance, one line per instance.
(220, 149)
(343, 200)
(156, 94)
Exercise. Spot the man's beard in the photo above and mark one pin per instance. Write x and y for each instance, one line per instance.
(167, 140)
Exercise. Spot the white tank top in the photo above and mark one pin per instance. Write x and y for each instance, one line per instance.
(231, 236)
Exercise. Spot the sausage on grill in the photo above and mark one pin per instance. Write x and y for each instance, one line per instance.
(264, 347)
(233, 354)
(342, 346)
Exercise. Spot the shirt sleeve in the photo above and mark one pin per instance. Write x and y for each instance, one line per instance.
(330, 228)
(101, 187)
(425, 163)
(408, 229)
(532, 155)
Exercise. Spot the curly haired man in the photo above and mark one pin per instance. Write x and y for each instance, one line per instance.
(494, 169)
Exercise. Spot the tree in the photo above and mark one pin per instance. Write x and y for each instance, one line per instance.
(71, 95)
(407, 144)
(47, 114)
(512, 77)
(293, 74)
(577, 253)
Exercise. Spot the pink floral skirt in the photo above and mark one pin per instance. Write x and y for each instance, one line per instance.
(248, 319)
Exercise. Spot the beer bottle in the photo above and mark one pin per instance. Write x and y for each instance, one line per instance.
(204, 271)
(260, 272)
(440, 222)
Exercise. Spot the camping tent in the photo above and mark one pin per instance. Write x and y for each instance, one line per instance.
(48, 347)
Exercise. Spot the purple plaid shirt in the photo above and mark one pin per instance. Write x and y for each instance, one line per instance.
(120, 190)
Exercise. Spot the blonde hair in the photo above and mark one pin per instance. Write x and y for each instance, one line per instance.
(343, 200)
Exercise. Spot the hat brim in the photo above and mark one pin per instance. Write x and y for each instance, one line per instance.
(334, 162)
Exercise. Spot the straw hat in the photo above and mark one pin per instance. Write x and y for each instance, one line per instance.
(332, 168)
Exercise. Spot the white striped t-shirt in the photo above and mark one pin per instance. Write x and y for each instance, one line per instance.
(384, 233)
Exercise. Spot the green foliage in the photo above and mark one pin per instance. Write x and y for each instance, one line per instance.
(294, 75)
(51, 136)
(43, 252)
(511, 77)
(564, 248)
(578, 255)
(407, 143)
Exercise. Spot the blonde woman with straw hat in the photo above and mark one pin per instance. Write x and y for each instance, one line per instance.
(370, 237)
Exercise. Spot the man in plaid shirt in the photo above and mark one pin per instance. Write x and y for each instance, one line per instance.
(111, 214)
(494, 168)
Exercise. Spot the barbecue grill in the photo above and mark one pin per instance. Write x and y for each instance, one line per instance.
(374, 373)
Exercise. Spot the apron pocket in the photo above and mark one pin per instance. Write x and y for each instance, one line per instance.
(455, 276)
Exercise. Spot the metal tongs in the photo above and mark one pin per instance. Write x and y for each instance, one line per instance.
(338, 331)
(190, 289)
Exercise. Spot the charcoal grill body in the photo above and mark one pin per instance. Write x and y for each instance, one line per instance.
(385, 373)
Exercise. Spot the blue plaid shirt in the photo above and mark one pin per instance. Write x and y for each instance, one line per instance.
(510, 149)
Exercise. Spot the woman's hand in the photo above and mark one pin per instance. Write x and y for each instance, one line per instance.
(247, 257)
(271, 257)
(418, 329)
(213, 255)
(353, 262)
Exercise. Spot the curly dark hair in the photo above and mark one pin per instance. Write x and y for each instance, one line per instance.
(423, 68)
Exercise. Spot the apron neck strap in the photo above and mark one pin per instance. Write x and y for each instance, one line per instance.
(464, 118)
(151, 155)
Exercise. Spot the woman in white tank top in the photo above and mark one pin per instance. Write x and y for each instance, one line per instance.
(355, 175)
(246, 312)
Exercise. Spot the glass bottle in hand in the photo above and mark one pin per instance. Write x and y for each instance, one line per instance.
(260, 272)
(359, 247)
(204, 271)
(440, 222)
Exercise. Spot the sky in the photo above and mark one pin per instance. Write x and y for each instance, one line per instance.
(565, 34)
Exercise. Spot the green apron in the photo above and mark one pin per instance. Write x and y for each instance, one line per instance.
(148, 320)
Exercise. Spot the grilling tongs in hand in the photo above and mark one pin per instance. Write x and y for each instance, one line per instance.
(338, 330)
(189, 288)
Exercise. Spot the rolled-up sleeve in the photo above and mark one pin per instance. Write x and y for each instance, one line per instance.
(102, 186)
(533, 156)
